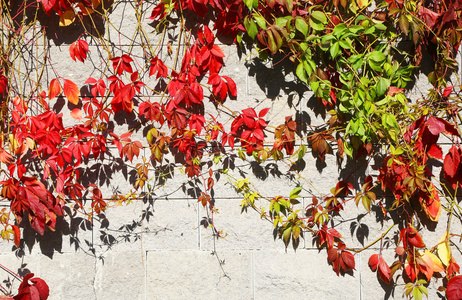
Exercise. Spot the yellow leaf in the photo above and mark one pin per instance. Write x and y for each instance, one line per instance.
(443, 250)
(363, 3)
(30, 143)
(14, 144)
(67, 18)
(437, 265)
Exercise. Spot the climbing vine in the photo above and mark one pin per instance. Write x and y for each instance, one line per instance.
(358, 58)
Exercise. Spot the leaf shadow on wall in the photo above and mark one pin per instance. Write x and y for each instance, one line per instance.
(276, 78)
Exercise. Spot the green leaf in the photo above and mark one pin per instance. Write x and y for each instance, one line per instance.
(301, 25)
(423, 290)
(260, 21)
(239, 37)
(301, 151)
(282, 21)
(250, 4)
(314, 86)
(301, 74)
(310, 66)
(327, 38)
(277, 207)
(286, 235)
(335, 50)
(295, 192)
(345, 44)
(340, 29)
(382, 86)
(356, 61)
(348, 149)
(369, 30)
(380, 26)
(271, 42)
(417, 294)
(319, 15)
(389, 120)
(366, 203)
(354, 28)
(250, 27)
(316, 25)
(377, 56)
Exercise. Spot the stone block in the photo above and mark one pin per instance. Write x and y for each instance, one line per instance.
(268, 179)
(69, 275)
(372, 287)
(121, 228)
(112, 174)
(170, 224)
(121, 275)
(199, 275)
(304, 274)
(242, 231)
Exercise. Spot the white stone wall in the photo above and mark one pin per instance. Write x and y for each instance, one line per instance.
(171, 255)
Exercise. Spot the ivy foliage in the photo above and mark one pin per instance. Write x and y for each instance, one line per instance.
(358, 58)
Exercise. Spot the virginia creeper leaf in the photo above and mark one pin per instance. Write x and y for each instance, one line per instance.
(71, 91)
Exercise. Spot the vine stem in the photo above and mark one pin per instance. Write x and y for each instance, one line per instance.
(374, 242)
(11, 272)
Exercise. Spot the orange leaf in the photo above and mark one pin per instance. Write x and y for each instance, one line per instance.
(55, 88)
(71, 91)
(67, 18)
(17, 235)
(76, 113)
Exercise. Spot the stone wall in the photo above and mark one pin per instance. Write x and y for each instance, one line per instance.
(158, 247)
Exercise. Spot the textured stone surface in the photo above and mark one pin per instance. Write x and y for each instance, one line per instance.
(118, 277)
(69, 275)
(158, 247)
(301, 275)
(199, 275)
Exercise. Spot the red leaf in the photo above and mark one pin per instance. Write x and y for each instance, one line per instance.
(216, 51)
(447, 91)
(435, 152)
(435, 125)
(332, 254)
(263, 112)
(55, 88)
(416, 240)
(429, 16)
(431, 203)
(452, 161)
(454, 289)
(410, 235)
(231, 85)
(42, 287)
(349, 259)
(78, 50)
(71, 91)
(37, 291)
(48, 5)
(374, 261)
(384, 270)
(250, 112)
